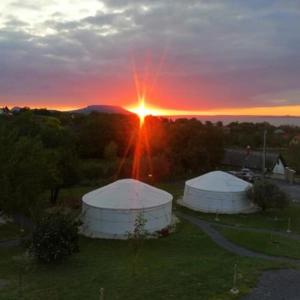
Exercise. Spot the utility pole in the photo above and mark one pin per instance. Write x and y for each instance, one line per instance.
(264, 154)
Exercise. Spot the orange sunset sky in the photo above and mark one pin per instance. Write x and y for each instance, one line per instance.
(185, 57)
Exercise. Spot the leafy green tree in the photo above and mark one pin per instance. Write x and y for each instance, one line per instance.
(55, 238)
(66, 168)
(25, 170)
(193, 147)
(111, 151)
(293, 157)
(267, 195)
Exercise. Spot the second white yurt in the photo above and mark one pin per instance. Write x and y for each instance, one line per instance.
(217, 192)
(111, 211)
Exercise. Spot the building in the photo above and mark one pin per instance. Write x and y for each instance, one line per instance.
(111, 211)
(253, 160)
(217, 192)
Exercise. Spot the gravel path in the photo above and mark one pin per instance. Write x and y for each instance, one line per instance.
(277, 285)
(220, 240)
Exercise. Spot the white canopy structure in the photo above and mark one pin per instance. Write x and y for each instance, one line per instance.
(217, 192)
(111, 211)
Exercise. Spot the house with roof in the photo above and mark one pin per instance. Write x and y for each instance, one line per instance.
(253, 160)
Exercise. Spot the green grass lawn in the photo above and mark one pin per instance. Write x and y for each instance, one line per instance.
(10, 231)
(272, 219)
(267, 243)
(74, 194)
(185, 265)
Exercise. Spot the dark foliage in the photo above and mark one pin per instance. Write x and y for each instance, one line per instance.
(46, 151)
(268, 195)
(55, 238)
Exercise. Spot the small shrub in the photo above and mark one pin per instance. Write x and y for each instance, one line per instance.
(267, 195)
(139, 232)
(55, 238)
(136, 237)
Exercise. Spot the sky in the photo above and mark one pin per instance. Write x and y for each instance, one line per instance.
(184, 56)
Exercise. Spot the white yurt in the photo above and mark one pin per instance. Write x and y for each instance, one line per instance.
(111, 211)
(217, 192)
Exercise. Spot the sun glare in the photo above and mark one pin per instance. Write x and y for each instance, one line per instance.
(142, 110)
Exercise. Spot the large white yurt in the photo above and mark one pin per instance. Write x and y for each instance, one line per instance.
(111, 211)
(217, 192)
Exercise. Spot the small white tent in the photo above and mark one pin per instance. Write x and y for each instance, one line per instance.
(217, 192)
(111, 211)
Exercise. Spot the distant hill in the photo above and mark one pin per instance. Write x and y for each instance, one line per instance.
(110, 109)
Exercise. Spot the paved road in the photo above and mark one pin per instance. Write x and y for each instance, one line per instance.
(277, 285)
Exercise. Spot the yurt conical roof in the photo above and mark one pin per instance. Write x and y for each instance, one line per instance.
(127, 194)
(218, 181)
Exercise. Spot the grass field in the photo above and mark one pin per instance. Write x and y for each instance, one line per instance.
(185, 265)
(272, 244)
(9, 231)
(272, 219)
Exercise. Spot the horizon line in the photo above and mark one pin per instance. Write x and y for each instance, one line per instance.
(277, 111)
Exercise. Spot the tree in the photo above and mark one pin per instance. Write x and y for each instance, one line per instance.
(66, 169)
(25, 169)
(267, 195)
(293, 156)
(193, 147)
(111, 151)
(55, 238)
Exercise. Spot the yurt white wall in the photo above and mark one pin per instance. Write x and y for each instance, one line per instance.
(217, 192)
(129, 198)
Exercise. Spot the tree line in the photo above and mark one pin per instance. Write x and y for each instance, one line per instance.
(42, 151)
(45, 151)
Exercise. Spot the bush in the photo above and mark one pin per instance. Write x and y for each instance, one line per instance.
(267, 195)
(55, 238)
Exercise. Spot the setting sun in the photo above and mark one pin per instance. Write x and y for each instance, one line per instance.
(142, 110)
